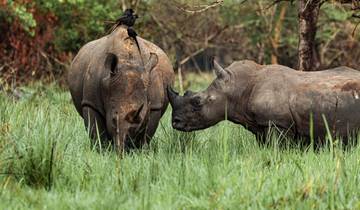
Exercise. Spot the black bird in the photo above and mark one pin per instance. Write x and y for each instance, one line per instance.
(128, 19)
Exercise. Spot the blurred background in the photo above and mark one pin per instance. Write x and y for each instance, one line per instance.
(39, 38)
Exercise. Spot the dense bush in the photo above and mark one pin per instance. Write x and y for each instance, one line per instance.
(41, 36)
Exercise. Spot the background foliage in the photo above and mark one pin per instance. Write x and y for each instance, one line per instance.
(40, 37)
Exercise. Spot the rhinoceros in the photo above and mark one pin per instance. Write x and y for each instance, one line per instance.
(260, 96)
(119, 89)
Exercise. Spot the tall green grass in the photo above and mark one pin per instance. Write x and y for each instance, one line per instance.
(47, 161)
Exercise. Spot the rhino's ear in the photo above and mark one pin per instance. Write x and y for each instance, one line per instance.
(153, 60)
(220, 71)
(189, 93)
(111, 62)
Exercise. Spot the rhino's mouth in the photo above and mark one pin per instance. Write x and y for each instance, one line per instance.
(183, 125)
(186, 129)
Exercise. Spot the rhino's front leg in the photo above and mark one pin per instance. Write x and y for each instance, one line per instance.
(95, 125)
(155, 117)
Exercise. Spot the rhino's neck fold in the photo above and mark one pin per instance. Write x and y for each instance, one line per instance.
(237, 108)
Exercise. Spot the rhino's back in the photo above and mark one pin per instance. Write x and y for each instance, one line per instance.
(331, 94)
(287, 98)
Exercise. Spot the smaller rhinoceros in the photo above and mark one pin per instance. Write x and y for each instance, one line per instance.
(258, 96)
(119, 89)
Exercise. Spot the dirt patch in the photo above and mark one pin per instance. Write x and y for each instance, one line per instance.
(352, 85)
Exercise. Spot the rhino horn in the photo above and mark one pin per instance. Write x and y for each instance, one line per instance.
(172, 95)
(153, 61)
(219, 71)
(134, 117)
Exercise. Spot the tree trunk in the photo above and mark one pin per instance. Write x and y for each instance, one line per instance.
(275, 40)
(308, 16)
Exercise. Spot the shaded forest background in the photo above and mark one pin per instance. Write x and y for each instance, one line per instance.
(39, 38)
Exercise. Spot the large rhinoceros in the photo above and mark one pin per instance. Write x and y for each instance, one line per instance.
(120, 89)
(258, 96)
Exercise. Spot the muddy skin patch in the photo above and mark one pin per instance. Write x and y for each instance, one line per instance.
(351, 86)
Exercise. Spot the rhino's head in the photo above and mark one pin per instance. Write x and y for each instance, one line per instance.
(126, 97)
(195, 111)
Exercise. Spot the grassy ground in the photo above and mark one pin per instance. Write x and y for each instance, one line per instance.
(46, 161)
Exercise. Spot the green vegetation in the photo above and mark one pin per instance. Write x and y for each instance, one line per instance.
(46, 161)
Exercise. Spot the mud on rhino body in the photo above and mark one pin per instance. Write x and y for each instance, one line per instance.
(119, 91)
(257, 96)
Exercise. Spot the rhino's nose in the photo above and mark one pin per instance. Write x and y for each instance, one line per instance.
(176, 121)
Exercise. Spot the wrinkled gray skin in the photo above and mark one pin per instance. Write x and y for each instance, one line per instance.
(253, 95)
(120, 94)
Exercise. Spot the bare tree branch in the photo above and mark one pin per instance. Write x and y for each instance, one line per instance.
(183, 61)
(203, 9)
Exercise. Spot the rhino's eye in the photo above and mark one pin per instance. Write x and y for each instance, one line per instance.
(211, 98)
(196, 102)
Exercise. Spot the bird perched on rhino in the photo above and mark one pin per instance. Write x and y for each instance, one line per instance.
(128, 19)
